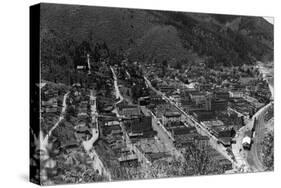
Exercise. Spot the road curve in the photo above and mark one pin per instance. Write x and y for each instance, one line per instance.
(254, 155)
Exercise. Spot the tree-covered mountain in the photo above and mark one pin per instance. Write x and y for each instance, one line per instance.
(150, 35)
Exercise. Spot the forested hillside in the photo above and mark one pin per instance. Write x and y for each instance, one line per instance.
(147, 35)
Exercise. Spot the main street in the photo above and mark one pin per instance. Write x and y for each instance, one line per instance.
(156, 125)
(201, 128)
(165, 137)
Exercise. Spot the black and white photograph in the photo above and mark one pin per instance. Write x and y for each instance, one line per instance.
(140, 94)
(129, 94)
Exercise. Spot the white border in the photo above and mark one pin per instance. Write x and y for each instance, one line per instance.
(15, 98)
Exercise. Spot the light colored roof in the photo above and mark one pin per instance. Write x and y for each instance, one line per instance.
(41, 85)
(246, 140)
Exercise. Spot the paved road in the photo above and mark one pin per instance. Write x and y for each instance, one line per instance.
(254, 155)
(238, 151)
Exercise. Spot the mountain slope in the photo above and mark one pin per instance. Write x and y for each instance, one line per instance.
(149, 35)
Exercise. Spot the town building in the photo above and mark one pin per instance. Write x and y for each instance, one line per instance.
(140, 126)
(112, 122)
(198, 97)
(81, 67)
(221, 95)
(128, 160)
(144, 101)
(202, 142)
(236, 94)
(129, 110)
(166, 89)
(171, 116)
(219, 105)
(156, 100)
(203, 115)
(184, 136)
(150, 150)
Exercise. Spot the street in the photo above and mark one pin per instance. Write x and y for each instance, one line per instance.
(117, 91)
(88, 144)
(164, 137)
(254, 155)
(191, 121)
(44, 141)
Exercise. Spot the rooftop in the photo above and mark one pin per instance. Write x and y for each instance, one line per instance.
(172, 114)
(197, 93)
(213, 123)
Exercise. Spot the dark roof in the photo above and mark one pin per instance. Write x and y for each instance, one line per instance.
(156, 156)
(226, 140)
(200, 137)
(172, 114)
(197, 93)
(175, 124)
(203, 112)
(184, 130)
